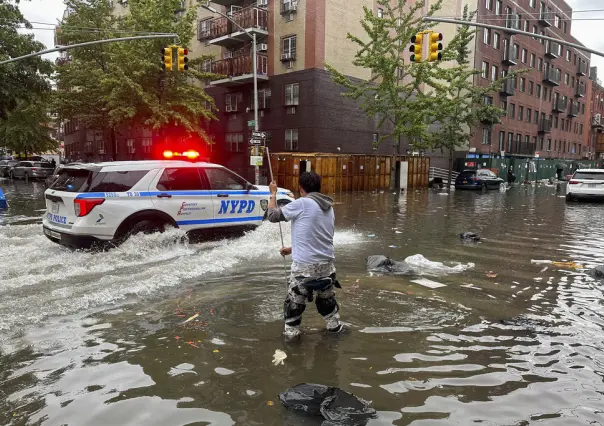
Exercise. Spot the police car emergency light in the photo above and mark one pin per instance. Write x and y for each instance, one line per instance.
(189, 154)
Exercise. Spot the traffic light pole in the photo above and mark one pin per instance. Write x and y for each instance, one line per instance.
(512, 31)
(206, 5)
(88, 43)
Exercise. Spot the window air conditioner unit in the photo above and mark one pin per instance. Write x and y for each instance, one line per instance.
(286, 56)
(228, 55)
(263, 47)
(597, 118)
(262, 3)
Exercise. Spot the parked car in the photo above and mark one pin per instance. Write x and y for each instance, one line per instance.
(31, 170)
(478, 179)
(6, 166)
(586, 184)
(57, 171)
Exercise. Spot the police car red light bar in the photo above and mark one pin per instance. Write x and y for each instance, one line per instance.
(190, 154)
(83, 206)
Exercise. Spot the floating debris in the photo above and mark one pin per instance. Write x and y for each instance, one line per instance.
(279, 357)
(191, 318)
(491, 274)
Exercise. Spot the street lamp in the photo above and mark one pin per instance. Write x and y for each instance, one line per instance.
(206, 5)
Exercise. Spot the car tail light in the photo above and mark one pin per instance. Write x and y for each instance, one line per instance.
(573, 182)
(33, 169)
(83, 206)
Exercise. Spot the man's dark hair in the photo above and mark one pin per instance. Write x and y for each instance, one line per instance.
(310, 182)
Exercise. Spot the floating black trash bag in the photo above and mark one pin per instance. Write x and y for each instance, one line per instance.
(383, 264)
(336, 406)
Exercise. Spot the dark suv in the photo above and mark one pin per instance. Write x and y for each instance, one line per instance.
(478, 179)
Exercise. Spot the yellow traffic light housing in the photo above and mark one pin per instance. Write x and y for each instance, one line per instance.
(182, 59)
(167, 58)
(416, 48)
(435, 46)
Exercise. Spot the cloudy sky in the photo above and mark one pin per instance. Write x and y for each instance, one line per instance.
(585, 26)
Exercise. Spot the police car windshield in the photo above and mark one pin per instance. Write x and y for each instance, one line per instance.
(73, 180)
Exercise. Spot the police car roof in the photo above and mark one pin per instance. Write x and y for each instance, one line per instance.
(140, 165)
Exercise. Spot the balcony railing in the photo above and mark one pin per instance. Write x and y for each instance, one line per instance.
(597, 121)
(545, 18)
(513, 22)
(510, 54)
(573, 109)
(507, 88)
(253, 18)
(288, 6)
(552, 49)
(582, 68)
(580, 93)
(551, 76)
(239, 69)
(559, 105)
(522, 148)
(545, 125)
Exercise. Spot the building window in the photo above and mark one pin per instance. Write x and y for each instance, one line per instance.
(510, 141)
(540, 64)
(512, 110)
(489, 4)
(504, 107)
(564, 27)
(541, 40)
(574, 148)
(526, 26)
(522, 84)
(575, 60)
(566, 78)
(518, 141)
(567, 55)
(545, 93)
(487, 36)
(520, 113)
(516, 51)
(203, 30)
(485, 69)
(527, 140)
(534, 31)
(486, 136)
(529, 115)
(501, 141)
(233, 101)
(524, 55)
(291, 139)
(380, 12)
(538, 92)
(557, 21)
(288, 48)
(582, 109)
(496, 40)
(131, 146)
(562, 124)
(206, 66)
(532, 3)
(494, 72)
(530, 88)
(532, 61)
(536, 117)
(555, 122)
(498, 5)
(147, 143)
(549, 145)
(234, 142)
(292, 94)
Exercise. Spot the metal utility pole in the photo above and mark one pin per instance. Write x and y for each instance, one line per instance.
(88, 43)
(512, 31)
(206, 5)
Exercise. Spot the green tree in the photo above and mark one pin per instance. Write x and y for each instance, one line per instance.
(27, 128)
(394, 92)
(460, 103)
(25, 79)
(116, 85)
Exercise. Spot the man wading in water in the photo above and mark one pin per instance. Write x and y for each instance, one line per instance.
(313, 267)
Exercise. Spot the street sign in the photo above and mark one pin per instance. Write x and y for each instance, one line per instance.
(255, 160)
(258, 135)
(255, 142)
(251, 123)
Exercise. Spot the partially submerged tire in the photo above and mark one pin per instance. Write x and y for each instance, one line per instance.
(144, 225)
(569, 198)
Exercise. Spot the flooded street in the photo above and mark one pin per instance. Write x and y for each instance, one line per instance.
(101, 339)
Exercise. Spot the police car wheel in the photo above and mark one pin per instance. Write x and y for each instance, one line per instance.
(146, 227)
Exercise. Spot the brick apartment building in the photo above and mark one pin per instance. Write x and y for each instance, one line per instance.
(596, 118)
(548, 114)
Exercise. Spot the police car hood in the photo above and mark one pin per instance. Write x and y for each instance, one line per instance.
(266, 188)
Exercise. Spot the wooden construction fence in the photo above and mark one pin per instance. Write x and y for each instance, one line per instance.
(347, 172)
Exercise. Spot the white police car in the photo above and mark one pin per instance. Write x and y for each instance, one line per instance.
(90, 205)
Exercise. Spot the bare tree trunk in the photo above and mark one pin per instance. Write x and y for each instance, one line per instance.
(450, 170)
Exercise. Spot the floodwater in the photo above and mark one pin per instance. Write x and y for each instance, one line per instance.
(101, 339)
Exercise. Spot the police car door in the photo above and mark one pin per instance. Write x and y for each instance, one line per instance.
(234, 205)
(184, 194)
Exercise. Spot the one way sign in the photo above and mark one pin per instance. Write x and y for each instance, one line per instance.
(260, 135)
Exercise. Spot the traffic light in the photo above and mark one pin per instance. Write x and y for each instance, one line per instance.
(435, 46)
(166, 58)
(182, 59)
(416, 48)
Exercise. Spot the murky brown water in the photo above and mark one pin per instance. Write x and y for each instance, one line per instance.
(98, 339)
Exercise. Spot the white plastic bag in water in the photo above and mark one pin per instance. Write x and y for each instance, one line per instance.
(422, 266)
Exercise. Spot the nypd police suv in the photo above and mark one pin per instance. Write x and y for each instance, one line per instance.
(94, 204)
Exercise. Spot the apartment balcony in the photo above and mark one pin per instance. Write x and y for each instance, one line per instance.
(223, 32)
(545, 18)
(573, 109)
(582, 68)
(559, 105)
(551, 77)
(510, 55)
(522, 149)
(597, 121)
(227, 3)
(507, 88)
(238, 70)
(580, 93)
(552, 49)
(545, 125)
(513, 22)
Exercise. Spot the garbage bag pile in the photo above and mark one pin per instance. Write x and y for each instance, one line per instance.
(337, 407)
(413, 265)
